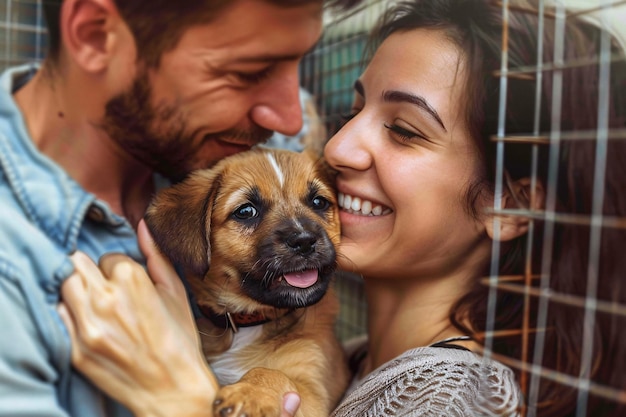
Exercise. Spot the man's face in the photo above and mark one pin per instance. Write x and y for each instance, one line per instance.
(225, 87)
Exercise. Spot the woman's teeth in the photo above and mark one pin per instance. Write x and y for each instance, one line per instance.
(357, 206)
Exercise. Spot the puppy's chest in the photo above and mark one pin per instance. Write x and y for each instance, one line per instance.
(231, 365)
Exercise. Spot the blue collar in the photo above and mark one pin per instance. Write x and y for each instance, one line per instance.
(52, 200)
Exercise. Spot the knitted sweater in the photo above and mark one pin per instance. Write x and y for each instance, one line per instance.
(434, 381)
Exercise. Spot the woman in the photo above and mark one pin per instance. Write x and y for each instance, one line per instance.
(419, 145)
(417, 180)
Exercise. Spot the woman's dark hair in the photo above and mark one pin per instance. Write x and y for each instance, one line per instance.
(157, 25)
(476, 28)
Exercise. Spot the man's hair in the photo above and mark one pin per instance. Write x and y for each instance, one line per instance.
(157, 25)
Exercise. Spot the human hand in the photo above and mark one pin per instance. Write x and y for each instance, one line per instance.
(134, 336)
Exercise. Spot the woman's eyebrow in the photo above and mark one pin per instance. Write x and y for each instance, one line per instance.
(395, 96)
(402, 97)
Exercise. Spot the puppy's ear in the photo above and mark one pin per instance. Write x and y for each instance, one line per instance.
(179, 219)
(326, 172)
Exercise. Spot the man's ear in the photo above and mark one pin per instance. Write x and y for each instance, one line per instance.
(519, 195)
(88, 30)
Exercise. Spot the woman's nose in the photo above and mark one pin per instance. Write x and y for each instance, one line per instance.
(348, 148)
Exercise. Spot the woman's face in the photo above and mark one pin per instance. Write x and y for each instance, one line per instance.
(405, 160)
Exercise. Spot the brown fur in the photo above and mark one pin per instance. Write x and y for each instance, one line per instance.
(236, 265)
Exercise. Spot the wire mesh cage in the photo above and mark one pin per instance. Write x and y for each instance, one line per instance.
(22, 32)
(329, 72)
(541, 293)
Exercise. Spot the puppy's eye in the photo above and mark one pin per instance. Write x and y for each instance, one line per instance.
(319, 203)
(245, 212)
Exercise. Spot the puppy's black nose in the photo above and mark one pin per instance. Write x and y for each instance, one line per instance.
(302, 242)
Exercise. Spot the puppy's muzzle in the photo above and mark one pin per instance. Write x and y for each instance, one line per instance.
(302, 243)
(295, 264)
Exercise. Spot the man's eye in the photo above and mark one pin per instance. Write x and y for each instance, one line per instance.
(254, 77)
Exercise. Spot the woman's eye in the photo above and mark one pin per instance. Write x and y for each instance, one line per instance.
(319, 203)
(404, 134)
(246, 212)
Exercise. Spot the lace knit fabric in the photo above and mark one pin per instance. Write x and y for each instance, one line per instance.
(432, 381)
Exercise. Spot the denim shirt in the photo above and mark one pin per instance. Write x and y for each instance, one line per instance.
(44, 217)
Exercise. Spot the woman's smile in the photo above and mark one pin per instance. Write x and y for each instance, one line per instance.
(361, 207)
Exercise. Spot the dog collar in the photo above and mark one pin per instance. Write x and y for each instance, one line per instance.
(237, 320)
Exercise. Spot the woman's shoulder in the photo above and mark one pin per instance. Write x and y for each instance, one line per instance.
(452, 367)
(430, 379)
(438, 356)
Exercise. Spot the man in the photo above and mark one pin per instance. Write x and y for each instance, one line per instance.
(130, 88)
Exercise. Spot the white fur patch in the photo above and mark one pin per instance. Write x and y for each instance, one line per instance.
(235, 198)
(225, 367)
(277, 170)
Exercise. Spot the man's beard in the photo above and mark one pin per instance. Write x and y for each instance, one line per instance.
(158, 137)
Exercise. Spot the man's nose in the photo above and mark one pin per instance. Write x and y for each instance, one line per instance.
(278, 105)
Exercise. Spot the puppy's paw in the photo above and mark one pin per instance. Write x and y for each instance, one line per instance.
(246, 400)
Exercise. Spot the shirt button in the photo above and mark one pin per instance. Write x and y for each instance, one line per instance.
(96, 214)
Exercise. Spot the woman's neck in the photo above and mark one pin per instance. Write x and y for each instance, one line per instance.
(405, 314)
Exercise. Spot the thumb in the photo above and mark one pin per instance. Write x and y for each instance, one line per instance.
(160, 268)
(68, 320)
(291, 403)
(70, 326)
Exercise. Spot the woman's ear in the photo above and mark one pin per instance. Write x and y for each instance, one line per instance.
(88, 29)
(520, 194)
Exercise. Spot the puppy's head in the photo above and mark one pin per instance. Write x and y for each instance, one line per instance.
(259, 228)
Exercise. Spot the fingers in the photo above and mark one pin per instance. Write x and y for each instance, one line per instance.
(87, 298)
(146, 243)
(68, 320)
(291, 403)
(85, 271)
(123, 270)
(114, 314)
(76, 291)
(159, 267)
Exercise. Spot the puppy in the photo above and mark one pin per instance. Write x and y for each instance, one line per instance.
(256, 237)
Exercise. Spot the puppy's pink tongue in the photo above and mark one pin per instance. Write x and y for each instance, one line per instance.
(302, 279)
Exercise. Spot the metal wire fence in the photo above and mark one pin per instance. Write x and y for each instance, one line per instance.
(22, 32)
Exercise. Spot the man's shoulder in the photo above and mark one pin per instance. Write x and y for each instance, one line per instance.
(12, 78)
(24, 247)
